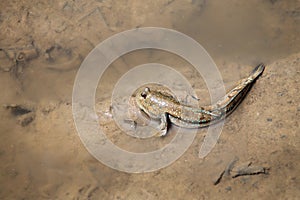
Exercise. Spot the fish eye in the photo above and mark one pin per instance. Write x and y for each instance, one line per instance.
(144, 93)
(147, 89)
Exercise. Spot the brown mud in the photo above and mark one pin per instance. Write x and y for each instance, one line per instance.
(42, 44)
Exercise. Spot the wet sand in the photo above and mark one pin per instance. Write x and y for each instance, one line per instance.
(42, 46)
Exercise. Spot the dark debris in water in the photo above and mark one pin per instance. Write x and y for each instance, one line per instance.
(24, 114)
(243, 170)
(18, 110)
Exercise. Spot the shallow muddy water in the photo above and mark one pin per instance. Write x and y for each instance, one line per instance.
(42, 45)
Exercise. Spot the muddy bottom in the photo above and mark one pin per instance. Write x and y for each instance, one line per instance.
(42, 45)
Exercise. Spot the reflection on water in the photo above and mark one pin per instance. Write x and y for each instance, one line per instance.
(246, 32)
(42, 44)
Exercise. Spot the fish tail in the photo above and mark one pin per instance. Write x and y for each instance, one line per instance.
(234, 97)
(257, 71)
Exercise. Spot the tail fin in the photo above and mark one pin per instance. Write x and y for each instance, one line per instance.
(234, 97)
(257, 71)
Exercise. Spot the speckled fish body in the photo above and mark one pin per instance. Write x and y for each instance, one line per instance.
(163, 106)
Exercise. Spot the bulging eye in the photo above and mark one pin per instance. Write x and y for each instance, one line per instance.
(145, 92)
(144, 95)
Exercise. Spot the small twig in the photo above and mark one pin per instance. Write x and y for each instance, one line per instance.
(251, 170)
(227, 170)
(219, 178)
(243, 170)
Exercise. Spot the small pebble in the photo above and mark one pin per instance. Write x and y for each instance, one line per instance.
(283, 136)
(228, 188)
